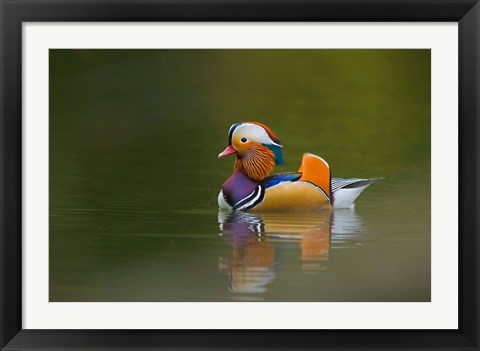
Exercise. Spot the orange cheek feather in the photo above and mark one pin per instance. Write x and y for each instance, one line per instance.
(241, 147)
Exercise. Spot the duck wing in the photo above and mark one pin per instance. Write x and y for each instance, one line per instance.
(280, 178)
(315, 170)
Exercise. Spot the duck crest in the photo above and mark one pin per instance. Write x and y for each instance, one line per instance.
(270, 133)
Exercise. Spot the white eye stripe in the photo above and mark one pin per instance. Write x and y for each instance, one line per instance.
(254, 132)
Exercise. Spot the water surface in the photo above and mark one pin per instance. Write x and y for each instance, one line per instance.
(134, 175)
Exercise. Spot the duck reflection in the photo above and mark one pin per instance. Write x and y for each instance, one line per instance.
(259, 241)
(250, 269)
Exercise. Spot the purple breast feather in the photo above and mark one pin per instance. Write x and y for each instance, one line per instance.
(237, 187)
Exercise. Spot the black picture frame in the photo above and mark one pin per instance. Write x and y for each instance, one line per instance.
(14, 12)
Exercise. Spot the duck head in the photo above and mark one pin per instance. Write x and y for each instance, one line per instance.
(256, 147)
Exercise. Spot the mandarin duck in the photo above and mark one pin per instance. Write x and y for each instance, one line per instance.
(252, 186)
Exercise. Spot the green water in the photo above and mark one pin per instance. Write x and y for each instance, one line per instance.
(134, 175)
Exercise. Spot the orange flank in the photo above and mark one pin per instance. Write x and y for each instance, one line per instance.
(316, 171)
(293, 196)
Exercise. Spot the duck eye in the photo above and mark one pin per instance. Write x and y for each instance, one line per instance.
(243, 140)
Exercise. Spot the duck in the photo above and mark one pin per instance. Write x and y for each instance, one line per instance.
(254, 187)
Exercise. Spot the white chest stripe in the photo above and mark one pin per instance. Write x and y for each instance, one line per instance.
(253, 201)
(246, 197)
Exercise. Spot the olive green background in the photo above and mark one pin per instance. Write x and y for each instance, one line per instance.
(134, 174)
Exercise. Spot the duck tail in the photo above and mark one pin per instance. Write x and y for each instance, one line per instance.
(316, 170)
(346, 190)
